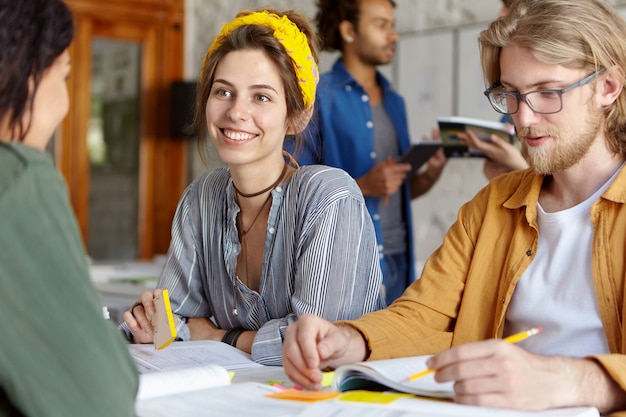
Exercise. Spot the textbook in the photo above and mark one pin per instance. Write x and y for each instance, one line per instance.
(391, 374)
(449, 128)
(189, 354)
(187, 366)
(245, 399)
(394, 375)
(156, 384)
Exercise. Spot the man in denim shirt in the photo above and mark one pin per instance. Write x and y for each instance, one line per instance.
(362, 128)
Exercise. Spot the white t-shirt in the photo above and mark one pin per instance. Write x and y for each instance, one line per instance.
(557, 291)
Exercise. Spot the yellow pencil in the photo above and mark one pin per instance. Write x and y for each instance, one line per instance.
(514, 338)
(518, 337)
(420, 374)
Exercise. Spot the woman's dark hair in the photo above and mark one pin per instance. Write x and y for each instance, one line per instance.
(33, 33)
(332, 12)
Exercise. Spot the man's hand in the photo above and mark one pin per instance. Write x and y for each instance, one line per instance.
(312, 344)
(494, 373)
(384, 179)
(424, 181)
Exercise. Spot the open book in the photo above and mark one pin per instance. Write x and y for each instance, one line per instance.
(186, 366)
(189, 354)
(449, 128)
(157, 384)
(391, 374)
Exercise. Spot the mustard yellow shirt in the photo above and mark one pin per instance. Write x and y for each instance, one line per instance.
(467, 284)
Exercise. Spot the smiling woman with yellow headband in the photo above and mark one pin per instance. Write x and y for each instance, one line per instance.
(262, 241)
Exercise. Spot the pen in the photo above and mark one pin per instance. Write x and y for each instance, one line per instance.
(514, 338)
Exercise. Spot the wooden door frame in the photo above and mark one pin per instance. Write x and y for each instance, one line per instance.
(158, 25)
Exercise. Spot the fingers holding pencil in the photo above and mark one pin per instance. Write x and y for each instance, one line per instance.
(490, 370)
(514, 338)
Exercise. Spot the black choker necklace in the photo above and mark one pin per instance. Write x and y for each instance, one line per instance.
(280, 178)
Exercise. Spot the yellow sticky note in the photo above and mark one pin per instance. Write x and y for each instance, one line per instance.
(301, 395)
(327, 379)
(163, 321)
(372, 396)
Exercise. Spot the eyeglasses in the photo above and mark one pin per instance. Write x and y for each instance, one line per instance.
(545, 101)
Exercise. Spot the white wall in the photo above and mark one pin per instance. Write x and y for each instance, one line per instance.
(436, 69)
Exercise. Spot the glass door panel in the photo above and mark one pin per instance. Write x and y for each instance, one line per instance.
(113, 137)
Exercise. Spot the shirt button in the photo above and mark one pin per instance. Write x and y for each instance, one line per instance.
(376, 217)
(365, 98)
(369, 124)
(271, 230)
(279, 189)
(381, 256)
(380, 248)
(348, 88)
(529, 252)
(373, 155)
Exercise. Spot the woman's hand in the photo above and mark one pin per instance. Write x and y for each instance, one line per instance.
(505, 156)
(139, 317)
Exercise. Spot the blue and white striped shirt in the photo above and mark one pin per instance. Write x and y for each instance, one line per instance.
(320, 257)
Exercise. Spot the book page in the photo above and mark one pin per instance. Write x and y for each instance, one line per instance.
(156, 384)
(245, 399)
(393, 373)
(187, 354)
(418, 407)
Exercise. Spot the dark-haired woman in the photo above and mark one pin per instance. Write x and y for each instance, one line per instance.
(58, 356)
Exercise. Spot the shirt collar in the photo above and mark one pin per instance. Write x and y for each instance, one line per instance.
(527, 194)
(617, 190)
(344, 77)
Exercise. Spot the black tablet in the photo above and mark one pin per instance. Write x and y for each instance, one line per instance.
(418, 154)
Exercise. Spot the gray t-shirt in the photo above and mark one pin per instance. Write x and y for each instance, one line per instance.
(391, 215)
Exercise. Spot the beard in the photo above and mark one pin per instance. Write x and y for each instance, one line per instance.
(372, 56)
(565, 150)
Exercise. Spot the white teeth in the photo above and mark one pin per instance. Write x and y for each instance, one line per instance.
(237, 135)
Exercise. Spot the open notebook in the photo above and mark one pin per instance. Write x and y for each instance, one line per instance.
(391, 374)
(449, 128)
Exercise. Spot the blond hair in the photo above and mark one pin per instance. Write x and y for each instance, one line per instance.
(581, 34)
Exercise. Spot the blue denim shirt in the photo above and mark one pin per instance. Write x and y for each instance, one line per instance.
(342, 136)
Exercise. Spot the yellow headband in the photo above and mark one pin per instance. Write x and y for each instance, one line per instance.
(295, 43)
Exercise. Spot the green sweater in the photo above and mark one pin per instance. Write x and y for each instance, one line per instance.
(58, 356)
